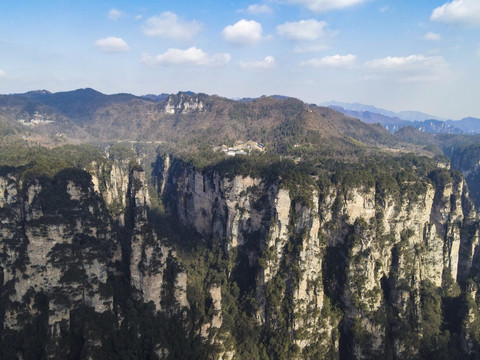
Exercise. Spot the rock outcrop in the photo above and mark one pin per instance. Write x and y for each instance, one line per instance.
(183, 104)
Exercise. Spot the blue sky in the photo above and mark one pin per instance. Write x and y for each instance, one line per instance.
(397, 54)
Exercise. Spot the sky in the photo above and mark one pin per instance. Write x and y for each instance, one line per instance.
(394, 54)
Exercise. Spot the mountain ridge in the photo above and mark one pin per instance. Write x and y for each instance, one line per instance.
(184, 116)
(73, 104)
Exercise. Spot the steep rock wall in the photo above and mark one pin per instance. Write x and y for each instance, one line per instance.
(70, 269)
(150, 256)
(287, 270)
(380, 259)
(57, 255)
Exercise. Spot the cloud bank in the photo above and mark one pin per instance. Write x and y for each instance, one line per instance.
(460, 12)
(412, 68)
(431, 36)
(406, 62)
(258, 9)
(189, 57)
(331, 61)
(112, 44)
(168, 25)
(303, 30)
(325, 5)
(115, 14)
(243, 32)
(264, 64)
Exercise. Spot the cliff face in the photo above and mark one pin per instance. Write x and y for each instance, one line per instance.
(466, 159)
(68, 264)
(150, 256)
(237, 266)
(58, 250)
(391, 264)
(180, 104)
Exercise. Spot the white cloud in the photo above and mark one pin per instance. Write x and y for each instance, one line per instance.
(331, 61)
(412, 68)
(325, 5)
(243, 32)
(115, 14)
(189, 57)
(168, 25)
(301, 49)
(406, 63)
(431, 36)
(258, 9)
(3, 74)
(463, 12)
(264, 64)
(112, 44)
(303, 30)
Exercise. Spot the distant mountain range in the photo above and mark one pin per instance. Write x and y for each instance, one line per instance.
(404, 115)
(393, 121)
